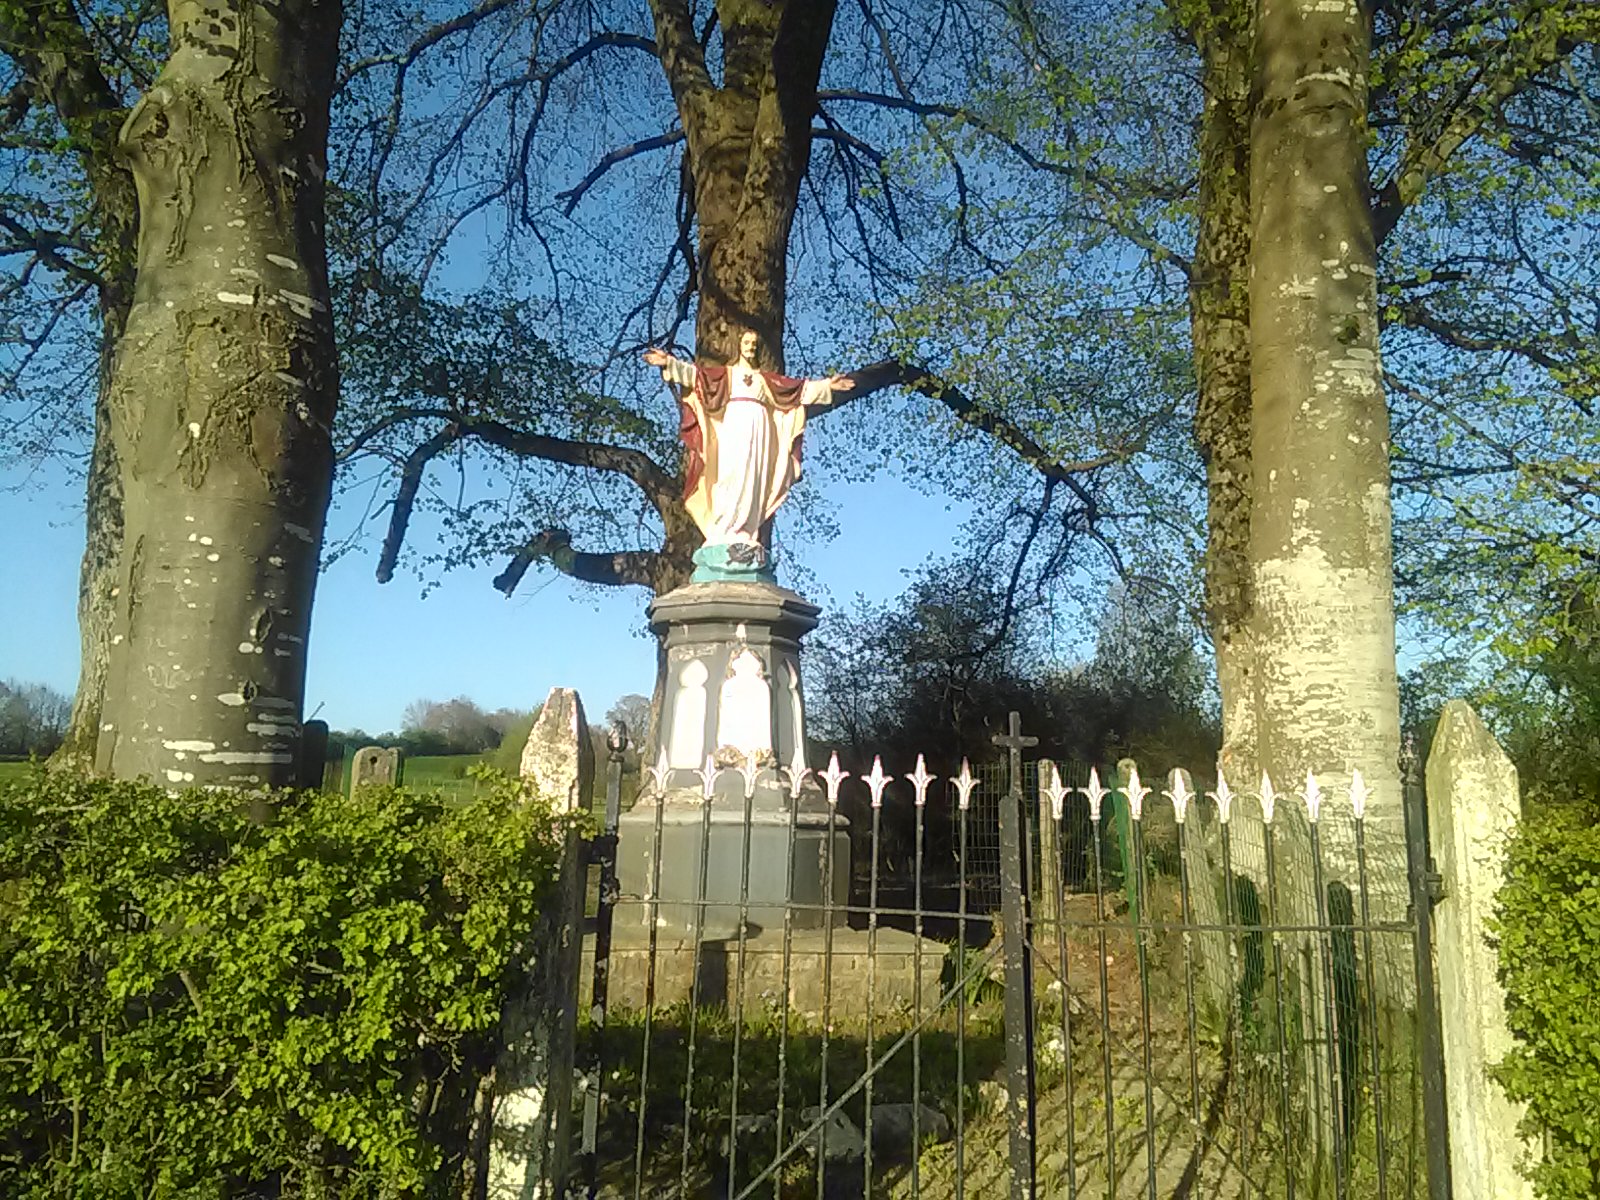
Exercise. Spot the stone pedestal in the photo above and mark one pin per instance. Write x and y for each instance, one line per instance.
(733, 696)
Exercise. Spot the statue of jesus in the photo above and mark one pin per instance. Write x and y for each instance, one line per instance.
(741, 429)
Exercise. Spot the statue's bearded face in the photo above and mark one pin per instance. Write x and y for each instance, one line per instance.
(748, 342)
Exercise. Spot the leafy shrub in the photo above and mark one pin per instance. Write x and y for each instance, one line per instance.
(197, 1001)
(1548, 927)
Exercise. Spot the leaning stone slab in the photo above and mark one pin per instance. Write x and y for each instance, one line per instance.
(528, 1151)
(1473, 808)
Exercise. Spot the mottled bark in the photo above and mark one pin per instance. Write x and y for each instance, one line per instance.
(222, 396)
(98, 574)
(1323, 615)
(1219, 313)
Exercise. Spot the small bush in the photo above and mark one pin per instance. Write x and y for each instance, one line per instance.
(1548, 927)
(195, 1003)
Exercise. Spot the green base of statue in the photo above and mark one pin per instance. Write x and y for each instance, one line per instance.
(736, 563)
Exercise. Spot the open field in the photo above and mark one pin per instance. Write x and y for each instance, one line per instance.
(442, 773)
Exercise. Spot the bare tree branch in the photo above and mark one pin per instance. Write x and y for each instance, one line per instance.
(48, 245)
(638, 467)
(892, 373)
(432, 37)
(620, 155)
(554, 546)
(405, 498)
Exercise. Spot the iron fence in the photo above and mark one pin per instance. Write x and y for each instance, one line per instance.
(1125, 992)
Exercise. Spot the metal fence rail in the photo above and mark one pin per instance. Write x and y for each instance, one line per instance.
(1091, 992)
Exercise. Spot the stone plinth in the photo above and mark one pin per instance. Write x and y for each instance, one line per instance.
(733, 697)
(892, 982)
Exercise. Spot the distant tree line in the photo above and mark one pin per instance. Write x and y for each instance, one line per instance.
(463, 726)
(33, 719)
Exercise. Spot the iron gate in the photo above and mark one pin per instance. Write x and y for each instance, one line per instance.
(1174, 994)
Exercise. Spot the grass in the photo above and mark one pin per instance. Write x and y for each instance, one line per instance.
(15, 769)
(442, 773)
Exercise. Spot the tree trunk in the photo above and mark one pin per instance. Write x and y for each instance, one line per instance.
(749, 145)
(222, 396)
(1219, 310)
(1323, 619)
(98, 574)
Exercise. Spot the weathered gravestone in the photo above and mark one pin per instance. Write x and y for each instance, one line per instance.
(1473, 809)
(375, 766)
(533, 1080)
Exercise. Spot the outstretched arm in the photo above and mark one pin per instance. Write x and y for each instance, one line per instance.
(818, 393)
(673, 370)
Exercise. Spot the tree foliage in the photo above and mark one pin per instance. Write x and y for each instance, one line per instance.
(1547, 925)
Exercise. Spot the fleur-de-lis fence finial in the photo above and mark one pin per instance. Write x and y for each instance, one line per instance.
(1359, 794)
(659, 772)
(708, 777)
(1056, 793)
(1313, 795)
(877, 781)
(749, 770)
(964, 784)
(1095, 794)
(1269, 798)
(1180, 795)
(797, 774)
(1223, 795)
(833, 777)
(1135, 792)
(920, 779)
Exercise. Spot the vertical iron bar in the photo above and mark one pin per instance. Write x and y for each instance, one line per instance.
(827, 992)
(1435, 1116)
(961, 1007)
(605, 853)
(1330, 1032)
(916, 1006)
(1186, 916)
(694, 987)
(1105, 1010)
(1141, 955)
(872, 987)
(1063, 962)
(788, 945)
(738, 979)
(1381, 1146)
(1288, 1157)
(649, 986)
(1019, 970)
(1236, 972)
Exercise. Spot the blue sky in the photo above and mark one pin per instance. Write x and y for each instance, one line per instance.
(374, 649)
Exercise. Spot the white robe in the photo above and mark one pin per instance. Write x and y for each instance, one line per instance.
(752, 470)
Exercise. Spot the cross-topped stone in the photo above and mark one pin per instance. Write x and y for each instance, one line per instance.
(1013, 739)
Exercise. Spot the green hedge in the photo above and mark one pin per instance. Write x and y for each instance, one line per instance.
(194, 1002)
(1548, 927)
